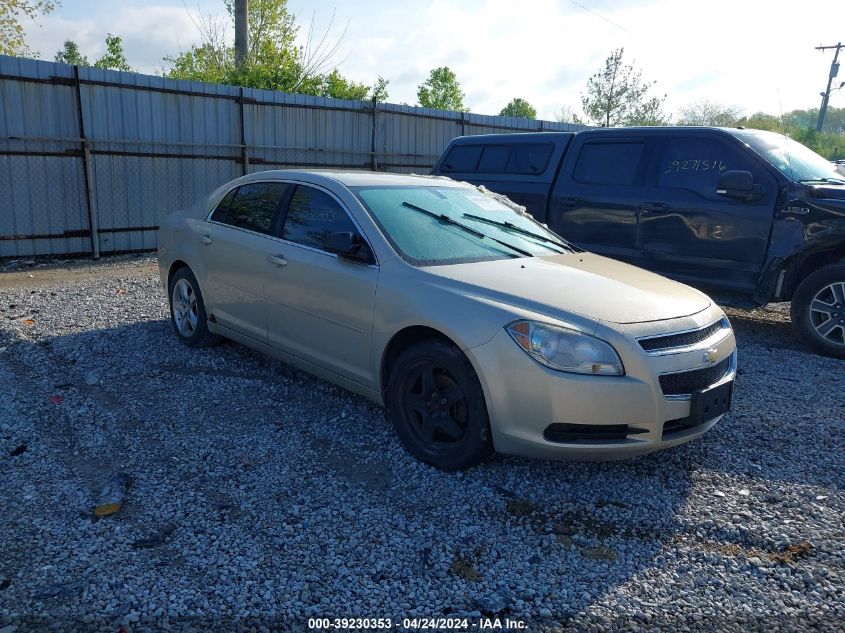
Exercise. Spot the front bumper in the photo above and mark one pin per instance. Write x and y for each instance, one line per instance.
(526, 399)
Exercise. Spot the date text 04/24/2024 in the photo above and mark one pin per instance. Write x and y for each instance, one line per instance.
(418, 624)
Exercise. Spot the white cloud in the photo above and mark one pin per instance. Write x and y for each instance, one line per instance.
(149, 33)
(755, 54)
(751, 54)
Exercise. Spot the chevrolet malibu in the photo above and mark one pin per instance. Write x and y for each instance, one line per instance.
(476, 327)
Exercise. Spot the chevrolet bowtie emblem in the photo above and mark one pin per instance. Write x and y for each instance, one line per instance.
(711, 355)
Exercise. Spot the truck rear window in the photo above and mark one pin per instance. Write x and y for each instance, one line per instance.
(609, 163)
(501, 158)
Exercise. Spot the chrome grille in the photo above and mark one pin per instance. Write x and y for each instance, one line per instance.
(682, 339)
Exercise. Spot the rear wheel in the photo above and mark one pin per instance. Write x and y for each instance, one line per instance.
(437, 406)
(818, 310)
(187, 310)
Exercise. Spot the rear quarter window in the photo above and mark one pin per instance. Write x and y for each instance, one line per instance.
(499, 158)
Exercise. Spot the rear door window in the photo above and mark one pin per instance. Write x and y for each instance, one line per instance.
(609, 163)
(253, 206)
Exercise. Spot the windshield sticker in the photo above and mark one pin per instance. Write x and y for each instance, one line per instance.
(483, 202)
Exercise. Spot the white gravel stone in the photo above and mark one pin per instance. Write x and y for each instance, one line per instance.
(272, 476)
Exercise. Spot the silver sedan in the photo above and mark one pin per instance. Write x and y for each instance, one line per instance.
(476, 327)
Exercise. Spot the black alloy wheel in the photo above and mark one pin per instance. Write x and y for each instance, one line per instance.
(437, 406)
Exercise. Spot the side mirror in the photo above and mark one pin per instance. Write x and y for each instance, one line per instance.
(345, 243)
(739, 185)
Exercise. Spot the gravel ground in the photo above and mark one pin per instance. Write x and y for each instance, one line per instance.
(261, 497)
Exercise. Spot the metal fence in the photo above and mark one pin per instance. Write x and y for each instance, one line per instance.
(91, 160)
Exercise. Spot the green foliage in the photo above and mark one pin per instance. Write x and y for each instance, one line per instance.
(441, 91)
(273, 62)
(801, 126)
(69, 54)
(12, 33)
(378, 92)
(519, 108)
(834, 120)
(204, 63)
(334, 85)
(114, 58)
(617, 95)
(706, 112)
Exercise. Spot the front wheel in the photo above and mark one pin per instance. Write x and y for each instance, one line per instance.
(818, 310)
(437, 406)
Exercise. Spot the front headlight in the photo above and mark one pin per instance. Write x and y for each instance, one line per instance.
(563, 349)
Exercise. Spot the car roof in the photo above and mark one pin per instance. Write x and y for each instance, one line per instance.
(351, 178)
(511, 137)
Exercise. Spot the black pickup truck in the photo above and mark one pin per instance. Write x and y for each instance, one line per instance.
(750, 217)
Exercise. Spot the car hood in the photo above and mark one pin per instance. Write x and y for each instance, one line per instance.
(581, 283)
(830, 192)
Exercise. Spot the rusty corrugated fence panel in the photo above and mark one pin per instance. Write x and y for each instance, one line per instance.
(155, 145)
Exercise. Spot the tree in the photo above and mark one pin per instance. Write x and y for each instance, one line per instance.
(69, 54)
(567, 115)
(378, 92)
(441, 91)
(338, 87)
(12, 33)
(114, 58)
(706, 112)
(519, 108)
(801, 126)
(274, 61)
(617, 95)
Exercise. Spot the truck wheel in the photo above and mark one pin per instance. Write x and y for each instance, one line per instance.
(818, 310)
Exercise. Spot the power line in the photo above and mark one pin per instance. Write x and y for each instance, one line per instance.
(599, 15)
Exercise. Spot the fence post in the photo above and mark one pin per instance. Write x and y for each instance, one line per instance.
(93, 220)
(374, 159)
(244, 148)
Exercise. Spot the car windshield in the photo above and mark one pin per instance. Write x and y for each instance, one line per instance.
(428, 225)
(794, 160)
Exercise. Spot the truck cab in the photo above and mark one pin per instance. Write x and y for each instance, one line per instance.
(745, 215)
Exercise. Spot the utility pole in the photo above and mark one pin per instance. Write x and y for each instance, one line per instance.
(834, 70)
(241, 31)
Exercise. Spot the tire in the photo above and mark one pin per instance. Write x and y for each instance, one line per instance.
(818, 310)
(187, 310)
(437, 406)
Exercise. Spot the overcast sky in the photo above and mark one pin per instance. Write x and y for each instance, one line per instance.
(755, 54)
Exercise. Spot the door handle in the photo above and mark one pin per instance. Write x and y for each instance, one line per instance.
(278, 260)
(205, 239)
(654, 206)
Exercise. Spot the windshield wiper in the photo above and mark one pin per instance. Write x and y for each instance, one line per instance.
(516, 229)
(837, 181)
(448, 220)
